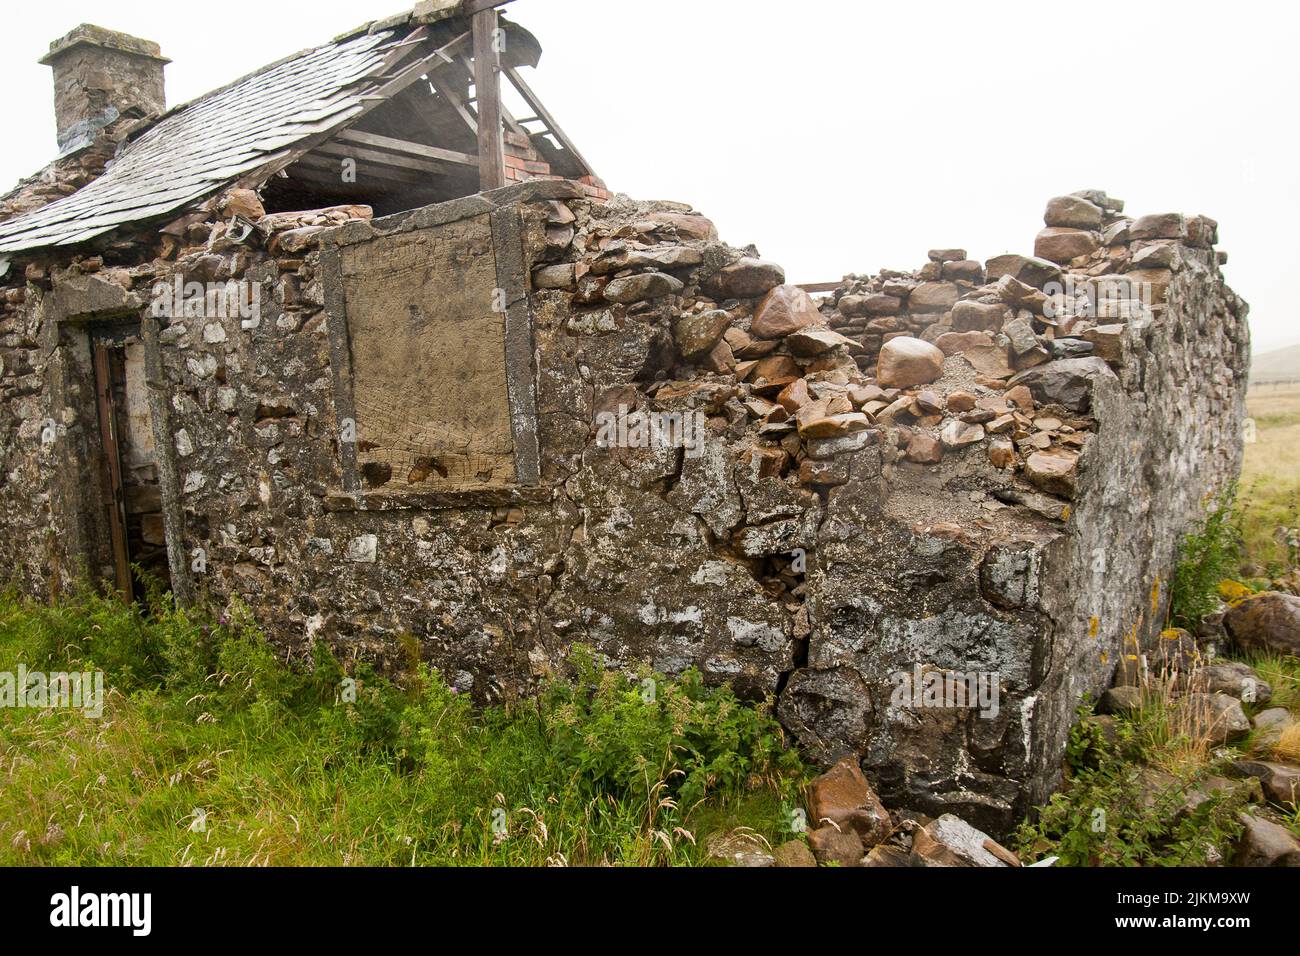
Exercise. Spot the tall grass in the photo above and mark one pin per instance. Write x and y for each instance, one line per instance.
(1151, 792)
(212, 752)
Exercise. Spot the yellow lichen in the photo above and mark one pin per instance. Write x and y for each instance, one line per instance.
(1234, 591)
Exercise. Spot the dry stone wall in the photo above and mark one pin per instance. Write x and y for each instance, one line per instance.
(968, 477)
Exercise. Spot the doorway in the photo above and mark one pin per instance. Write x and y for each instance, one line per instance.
(129, 476)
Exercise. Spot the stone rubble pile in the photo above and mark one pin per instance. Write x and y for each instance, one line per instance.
(850, 828)
(959, 357)
(956, 359)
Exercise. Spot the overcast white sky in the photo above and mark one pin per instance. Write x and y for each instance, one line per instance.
(843, 136)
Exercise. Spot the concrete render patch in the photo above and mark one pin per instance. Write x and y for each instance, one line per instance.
(505, 288)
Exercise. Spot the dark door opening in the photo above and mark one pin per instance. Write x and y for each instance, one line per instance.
(129, 466)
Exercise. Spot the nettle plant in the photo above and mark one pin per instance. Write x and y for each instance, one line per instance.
(1115, 812)
(634, 735)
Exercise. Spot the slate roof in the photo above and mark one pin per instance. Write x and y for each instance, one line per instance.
(201, 147)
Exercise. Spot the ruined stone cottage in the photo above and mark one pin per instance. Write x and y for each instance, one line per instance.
(280, 345)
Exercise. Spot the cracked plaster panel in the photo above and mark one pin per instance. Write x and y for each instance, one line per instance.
(429, 361)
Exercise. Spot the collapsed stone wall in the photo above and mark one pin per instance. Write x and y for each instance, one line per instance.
(65, 175)
(965, 469)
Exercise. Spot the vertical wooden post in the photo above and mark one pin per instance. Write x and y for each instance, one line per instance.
(114, 493)
(487, 86)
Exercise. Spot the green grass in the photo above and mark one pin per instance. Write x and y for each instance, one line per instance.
(1283, 675)
(201, 716)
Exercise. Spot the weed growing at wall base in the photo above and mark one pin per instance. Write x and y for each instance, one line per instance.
(1114, 811)
(1208, 555)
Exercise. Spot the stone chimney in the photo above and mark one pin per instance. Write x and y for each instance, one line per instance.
(100, 76)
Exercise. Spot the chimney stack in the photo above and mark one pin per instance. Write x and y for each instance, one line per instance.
(100, 76)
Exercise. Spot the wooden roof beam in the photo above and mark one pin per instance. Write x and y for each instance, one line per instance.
(375, 157)
(406, 148)
(392, 87)
(506, 115)
(487, 93)
(445, 90)
(324, 170)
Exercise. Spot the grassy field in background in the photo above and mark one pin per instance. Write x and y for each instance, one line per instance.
(1270, 482)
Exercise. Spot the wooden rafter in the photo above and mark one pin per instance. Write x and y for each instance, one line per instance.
(403, 49)
(513, 123)
(407, 148)
(419, 68)
(457, 103)
(391, 88)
